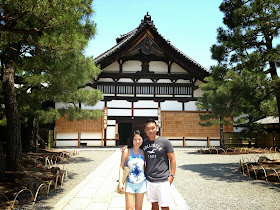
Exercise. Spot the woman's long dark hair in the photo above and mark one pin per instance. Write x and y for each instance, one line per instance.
(130, 140)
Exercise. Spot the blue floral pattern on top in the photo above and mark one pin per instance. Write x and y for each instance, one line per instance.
(136, 165)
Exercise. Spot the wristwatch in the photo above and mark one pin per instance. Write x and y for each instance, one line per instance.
(172, 176)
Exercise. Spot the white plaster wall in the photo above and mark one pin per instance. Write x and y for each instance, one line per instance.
(190, 106)
(91, 136)
(104, 94)
(110, 143)
(93, 143)
(119, 104)
(145, 113)
(144, 81)
(164, 81)
(145, 104)
(67, 135)
(177, 143)
(171, 106)
(175, 68)
(197, 93)
(191, 143)
(98, 106)
(105, 80)
(158, 67)
(183, 81)
(214, 143)
(132, 66)
(125, 80)
(111, 132)
(113, 67)
(111, 122)
(67, 143)
(119, 112)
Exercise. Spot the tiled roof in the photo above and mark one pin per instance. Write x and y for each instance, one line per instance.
(268, 120)
(125, 38)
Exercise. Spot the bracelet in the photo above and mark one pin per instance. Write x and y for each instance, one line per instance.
(172, 176)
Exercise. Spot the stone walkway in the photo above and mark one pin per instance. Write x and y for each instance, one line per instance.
(97, 191)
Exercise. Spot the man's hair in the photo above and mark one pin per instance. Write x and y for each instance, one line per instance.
(130, 140)
(150, 120)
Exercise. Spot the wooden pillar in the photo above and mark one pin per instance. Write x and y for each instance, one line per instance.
(79, 140)
(105, 137)
(120, 65)
(55, 138)
(132, 110)
(102, 139)
(208, 141)
(184, 142)
(159, 119)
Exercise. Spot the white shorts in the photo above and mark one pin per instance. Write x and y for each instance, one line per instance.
(158, 192)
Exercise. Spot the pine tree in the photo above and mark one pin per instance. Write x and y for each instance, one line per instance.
(41, 46)
(245, 81)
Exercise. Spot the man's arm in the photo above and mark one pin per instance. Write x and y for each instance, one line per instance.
(171, 157)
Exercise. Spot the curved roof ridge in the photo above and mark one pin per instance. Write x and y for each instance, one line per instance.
(192, 60)
(124, 38)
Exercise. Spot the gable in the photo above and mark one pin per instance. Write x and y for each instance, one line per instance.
(146, 45)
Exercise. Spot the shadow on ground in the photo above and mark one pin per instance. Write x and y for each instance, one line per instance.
(77, 160)
(228, 172)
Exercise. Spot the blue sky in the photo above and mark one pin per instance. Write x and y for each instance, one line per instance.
(190, 25)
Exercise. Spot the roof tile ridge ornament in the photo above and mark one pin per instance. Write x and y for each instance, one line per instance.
(147, 19)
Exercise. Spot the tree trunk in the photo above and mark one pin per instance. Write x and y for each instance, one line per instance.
(2, 162)
(14, 152)
(34, 134)
(274, 76)
(222, 136)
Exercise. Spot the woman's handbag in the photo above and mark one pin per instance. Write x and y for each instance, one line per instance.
(126, 171)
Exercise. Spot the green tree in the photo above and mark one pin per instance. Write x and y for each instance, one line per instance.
(252, 29)
(59, 82)
(47, 31)
(245, 78)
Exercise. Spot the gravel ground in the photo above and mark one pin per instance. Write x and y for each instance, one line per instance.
(79, 167)
(204, 181)
(214, 182)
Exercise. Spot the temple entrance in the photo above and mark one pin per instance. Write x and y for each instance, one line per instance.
(125, 130)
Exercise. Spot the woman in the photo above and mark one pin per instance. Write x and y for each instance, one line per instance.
(133, 157)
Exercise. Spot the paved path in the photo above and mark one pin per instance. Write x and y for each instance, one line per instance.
(97, 191)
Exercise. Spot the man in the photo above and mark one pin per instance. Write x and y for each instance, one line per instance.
(158, 152)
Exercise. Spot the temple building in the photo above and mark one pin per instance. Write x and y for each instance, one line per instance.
(143, 76)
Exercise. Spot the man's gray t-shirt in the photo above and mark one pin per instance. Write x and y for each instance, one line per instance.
(157, 162)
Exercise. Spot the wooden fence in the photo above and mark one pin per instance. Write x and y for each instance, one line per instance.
(267, 140)
(235, 140)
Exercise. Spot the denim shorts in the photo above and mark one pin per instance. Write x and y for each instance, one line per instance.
(136, 188)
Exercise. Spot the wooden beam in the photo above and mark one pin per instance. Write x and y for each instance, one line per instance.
(79, 140)
(55, 138)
